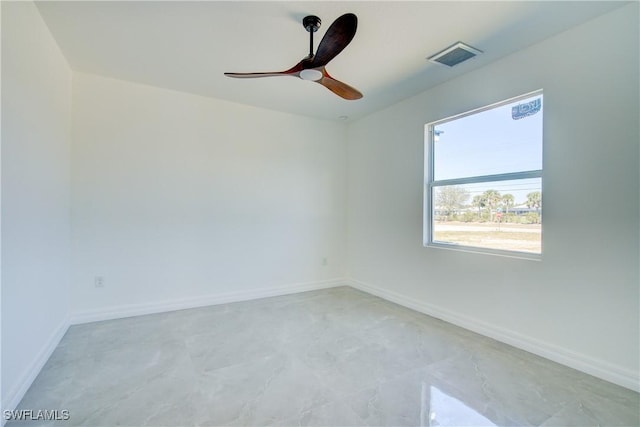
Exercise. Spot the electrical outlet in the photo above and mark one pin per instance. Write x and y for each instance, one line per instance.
(98, 282)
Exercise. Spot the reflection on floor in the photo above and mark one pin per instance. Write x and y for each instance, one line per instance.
(332, 357)
(445, 410)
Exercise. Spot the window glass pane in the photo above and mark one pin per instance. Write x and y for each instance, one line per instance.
(500, 140)
(504, 215)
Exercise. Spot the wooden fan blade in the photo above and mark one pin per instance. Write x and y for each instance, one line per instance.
(255, 75)
(337, 37)
(339, 88)
(293, 71)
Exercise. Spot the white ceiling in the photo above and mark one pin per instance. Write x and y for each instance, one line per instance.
(187, 46)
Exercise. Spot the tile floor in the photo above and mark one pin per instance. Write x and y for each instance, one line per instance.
(336, 357)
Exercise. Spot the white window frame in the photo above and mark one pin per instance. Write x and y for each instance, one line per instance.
(430, 184)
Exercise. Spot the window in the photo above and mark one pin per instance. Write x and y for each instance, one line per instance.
(483, 179)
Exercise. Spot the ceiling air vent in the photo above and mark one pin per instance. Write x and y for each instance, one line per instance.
(454, 54)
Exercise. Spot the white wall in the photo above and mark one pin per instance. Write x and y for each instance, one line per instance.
(36, 124)
(579, 305)
(179, 199)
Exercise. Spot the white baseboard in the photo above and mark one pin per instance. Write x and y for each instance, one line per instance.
(129, 310)
(598, 368)
(15, 395)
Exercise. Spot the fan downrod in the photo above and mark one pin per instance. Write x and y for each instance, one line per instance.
(311, 23)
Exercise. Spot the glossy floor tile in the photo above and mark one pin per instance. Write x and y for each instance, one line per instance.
(336, 357)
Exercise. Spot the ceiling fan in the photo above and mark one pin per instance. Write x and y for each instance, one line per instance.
(312, 67)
